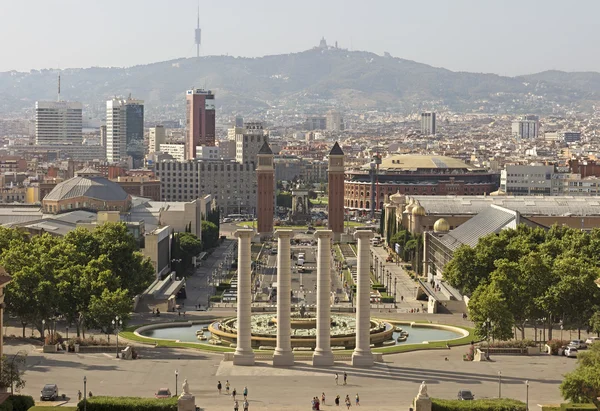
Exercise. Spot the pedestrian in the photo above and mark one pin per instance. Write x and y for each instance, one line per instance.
(245, 392)
(236, 406)
(219, 387)
(246, 405)
(357, 399)
(337, 401)
(336, 378)
(401, 298)
(234, 393)
(227, 387)
(345, 377)
(79, 395)
(323, 398)
(347, 401)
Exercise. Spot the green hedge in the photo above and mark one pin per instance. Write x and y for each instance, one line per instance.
(497, 404)
(21, 402)
(222, 287)
(575, 407)
(50, 408)
(128, 404)
(387, 300)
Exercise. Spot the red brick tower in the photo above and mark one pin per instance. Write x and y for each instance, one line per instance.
(265, 176)
(335, 207)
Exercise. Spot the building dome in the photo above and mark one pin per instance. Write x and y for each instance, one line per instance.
(418, 210)
(89, 192)
(410, 206)
(441, 226)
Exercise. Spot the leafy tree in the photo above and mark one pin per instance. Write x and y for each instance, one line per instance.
(210, 235)
(595, 322)
(104, 308)
(464, 271)
(11, 372)
(487, 302)
(284, 199)
(583, 384)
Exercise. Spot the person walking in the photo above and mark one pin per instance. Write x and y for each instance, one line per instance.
(234, 393)
(357, 399)
(219, 386)
(246, 405)
(345, 377)
(236, 406)
(323, 398)
(347, 401)
(79, 395)
(227, 387)
(336, 378)
(245, 392)
(337, 401)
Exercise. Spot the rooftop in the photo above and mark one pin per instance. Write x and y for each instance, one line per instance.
(98, 188)
(413, 162)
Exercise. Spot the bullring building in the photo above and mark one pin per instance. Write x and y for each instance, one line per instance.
(369, 186)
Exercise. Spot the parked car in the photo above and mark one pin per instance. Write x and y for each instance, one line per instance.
(163, 393)
(592, 340)
(49, 392)
(571, 352)
(465, 395)
(579, 344)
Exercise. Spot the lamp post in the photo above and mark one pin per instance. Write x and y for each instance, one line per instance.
(527, 395)
(117, 323)
(395, 289)
(488, 326)
(67, 328)
(176, 375)
(84, 393)
(43, 327)
(499, 384)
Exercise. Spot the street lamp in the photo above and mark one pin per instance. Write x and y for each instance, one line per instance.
(488, 325)
(43, 327)
(176, 375)
(499, 384)
(395, 278)
(67, 328)
(527, 396)
(117, 323)
(84, 393)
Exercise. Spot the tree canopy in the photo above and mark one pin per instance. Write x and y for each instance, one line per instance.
(583, 384)
(532, 274)
(54, 276)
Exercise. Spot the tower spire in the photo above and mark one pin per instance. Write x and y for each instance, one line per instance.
(58, 99)
(198, 33)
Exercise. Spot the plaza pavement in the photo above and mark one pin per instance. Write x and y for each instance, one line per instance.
(387, 386)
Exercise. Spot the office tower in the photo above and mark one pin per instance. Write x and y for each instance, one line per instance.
(58, 122)
(315, 123)
(125, 130)
(249, 142)
(334, 121)
(239, 121)
(200, 120)
(526, 127)
(265, 177)
(156, 137)
(428, 123)
(335, 204)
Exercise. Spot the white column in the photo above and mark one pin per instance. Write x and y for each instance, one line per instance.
(323, 355)
(283, 355)
(362, 356)
(243, 352)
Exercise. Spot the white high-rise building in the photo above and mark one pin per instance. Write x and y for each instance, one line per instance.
(124, 130)
(58, 122)
(156, 137)
(249, 142)
(428, 123)
(526, 127)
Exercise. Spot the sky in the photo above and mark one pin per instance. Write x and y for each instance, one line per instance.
(507, 37)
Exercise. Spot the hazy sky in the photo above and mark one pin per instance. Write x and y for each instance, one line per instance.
(500, 36)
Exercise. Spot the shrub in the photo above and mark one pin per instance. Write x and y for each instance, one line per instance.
(497, 404)
(555, 345)
(21, 402)
(386, 300)
(6, 406)
(53, 338)
(576, 407)
(222, 287)
(512, 344)
(215, 298)
(129, 404)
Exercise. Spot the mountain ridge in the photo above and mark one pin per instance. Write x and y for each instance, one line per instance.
(319, 77)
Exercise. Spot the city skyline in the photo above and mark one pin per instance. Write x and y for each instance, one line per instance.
(462, 36)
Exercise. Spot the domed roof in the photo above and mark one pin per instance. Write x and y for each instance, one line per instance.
(418, 210)
(441, 226)
(98, 188)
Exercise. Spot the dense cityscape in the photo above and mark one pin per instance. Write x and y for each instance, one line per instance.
(322, 227)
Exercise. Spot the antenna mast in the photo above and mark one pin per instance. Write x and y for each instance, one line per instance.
(58, 86)
(198, 33)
